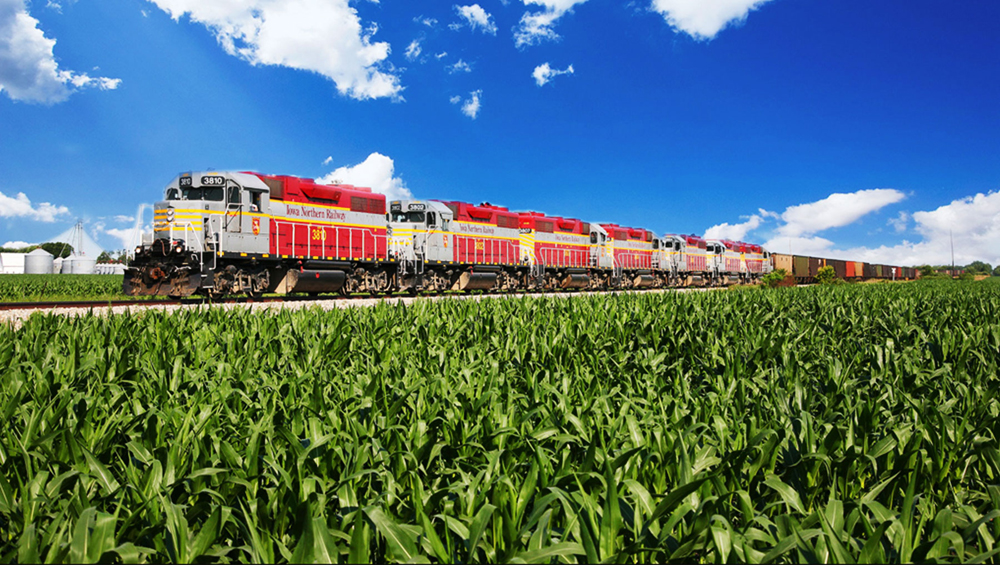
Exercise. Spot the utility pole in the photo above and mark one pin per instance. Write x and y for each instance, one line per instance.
(951, 236)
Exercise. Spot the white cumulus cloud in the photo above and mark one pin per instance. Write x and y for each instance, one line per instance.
(972, 222)
(376, 172)
(127, 238)
(538, 26)
(734, 231)
(477, 18)
(413, 50)
(900, 222)
(459, 67)
(16, 244)
(543, 73)
(703, 19)
(321, 36)
(471, 105)
(28, 69)
(20, 206)
(836, 210)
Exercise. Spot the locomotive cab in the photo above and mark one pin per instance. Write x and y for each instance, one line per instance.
(201, 216)
(671, 258)
(602, 249)
(212, 211)
(420, 230)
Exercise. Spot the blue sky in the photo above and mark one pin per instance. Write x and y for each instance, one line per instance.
(847, 128)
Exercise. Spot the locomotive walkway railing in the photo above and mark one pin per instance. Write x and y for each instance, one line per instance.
(481, 250)
(315, 240)
(632, 260)
(558, 257)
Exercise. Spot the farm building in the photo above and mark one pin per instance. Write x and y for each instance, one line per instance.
(12, 263)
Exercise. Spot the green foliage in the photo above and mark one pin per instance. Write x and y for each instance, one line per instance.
(996, 271)
(58, 249)
(826, 275)
(828, 424)
(967, 276)
(28, 249)
(978, 268)
(20, 288)
(104, 257)
(774, 278)
(929, 272)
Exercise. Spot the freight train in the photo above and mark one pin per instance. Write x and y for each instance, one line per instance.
(225, 233)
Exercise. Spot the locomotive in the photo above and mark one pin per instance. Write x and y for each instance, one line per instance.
(223, 233)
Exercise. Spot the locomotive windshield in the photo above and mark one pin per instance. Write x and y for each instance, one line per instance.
(412, 217)
(214, 193)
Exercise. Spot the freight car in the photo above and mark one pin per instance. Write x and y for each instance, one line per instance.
(221, 233)
(803, 269)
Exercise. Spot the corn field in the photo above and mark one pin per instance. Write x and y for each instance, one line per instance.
(15, 288)
(836, 424)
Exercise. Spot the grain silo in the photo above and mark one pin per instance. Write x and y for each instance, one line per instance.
(38, 262)
(83, 266)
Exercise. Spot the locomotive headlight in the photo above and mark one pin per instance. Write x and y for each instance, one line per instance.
(138, 250)
(170, 215)
(179, 248)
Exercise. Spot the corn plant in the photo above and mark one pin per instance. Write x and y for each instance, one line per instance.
(828, 424)
(15, 288)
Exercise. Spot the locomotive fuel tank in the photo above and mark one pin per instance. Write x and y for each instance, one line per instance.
(644, 281)
(575, 280)
(312, 281)
(475, 281)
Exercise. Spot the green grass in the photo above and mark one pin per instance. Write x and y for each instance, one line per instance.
(835, 424)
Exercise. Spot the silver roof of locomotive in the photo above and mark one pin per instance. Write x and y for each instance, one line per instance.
(245, 180)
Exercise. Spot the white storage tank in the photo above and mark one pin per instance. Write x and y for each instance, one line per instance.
(57, 265)
(109, 269)
(67, 265)
(83, 266)
(38, 262)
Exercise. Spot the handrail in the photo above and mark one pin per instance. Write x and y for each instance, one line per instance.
(331, 246)
(189, 234)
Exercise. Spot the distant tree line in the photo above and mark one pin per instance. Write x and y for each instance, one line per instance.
(971, 270)
(55, 248)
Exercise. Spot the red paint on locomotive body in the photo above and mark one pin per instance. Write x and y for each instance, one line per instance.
(556, 241)
(633, 246)
(484, 234)
(695, 254)
(333, 222)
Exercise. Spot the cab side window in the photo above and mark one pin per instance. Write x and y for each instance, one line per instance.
(431, 219)
(255, 201)
(234, 194)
